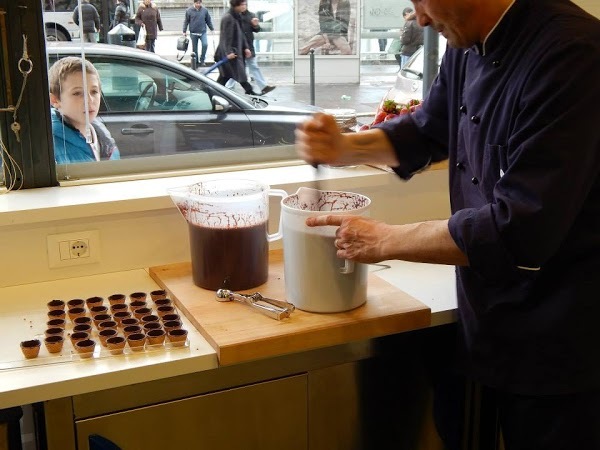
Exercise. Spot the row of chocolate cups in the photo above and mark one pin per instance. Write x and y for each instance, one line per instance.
(110, 338)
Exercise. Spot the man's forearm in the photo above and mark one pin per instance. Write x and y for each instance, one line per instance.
(370, 147)
(425, 242)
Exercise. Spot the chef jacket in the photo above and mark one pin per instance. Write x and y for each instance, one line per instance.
(518, 118)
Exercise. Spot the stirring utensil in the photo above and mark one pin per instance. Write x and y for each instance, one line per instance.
(309, 197)
(276, 309)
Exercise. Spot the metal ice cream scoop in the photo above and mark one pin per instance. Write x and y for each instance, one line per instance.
(276, 309)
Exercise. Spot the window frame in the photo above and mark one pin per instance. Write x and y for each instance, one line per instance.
(34, 153)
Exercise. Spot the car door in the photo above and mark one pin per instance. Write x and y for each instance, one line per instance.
(154, 110)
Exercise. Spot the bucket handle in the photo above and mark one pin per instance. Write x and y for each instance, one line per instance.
(275, 236)
(348, 267)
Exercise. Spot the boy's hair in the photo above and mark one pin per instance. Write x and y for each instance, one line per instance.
(235, 3)
(64, 67)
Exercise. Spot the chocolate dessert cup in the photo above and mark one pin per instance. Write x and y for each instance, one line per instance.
(85, 348)
(115, 345)
(31, 348)
(159, 294)
(56, 304)
(136, 341)
(54, 344)
(178, 337)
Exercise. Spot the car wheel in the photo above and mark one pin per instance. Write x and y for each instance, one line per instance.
(53, 34)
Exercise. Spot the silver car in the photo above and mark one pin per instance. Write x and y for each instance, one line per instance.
(153, 106)
(409, 81)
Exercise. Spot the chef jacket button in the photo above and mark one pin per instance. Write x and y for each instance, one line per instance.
(496, 63)
(475, 181)
(463, 109)
(460, 166)
(475, 119)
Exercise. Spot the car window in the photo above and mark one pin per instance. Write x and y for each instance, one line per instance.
(414, 68)
(133, 87)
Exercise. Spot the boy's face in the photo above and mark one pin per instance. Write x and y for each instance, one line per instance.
(71, 103)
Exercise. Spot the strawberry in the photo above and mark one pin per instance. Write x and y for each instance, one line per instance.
(364, 127)
(404, 111)
(389, 106)
(379, 117)
(390, 116)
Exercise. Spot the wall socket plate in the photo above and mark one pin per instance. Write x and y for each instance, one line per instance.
(73, 249)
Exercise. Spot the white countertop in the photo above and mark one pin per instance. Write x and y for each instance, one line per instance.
(23, 315)
(432, 284)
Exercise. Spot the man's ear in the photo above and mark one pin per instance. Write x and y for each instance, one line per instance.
(54, 100)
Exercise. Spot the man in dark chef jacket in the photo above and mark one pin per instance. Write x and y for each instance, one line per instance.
(516, 111)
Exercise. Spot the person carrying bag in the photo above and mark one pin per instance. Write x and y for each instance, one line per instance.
(182, 46)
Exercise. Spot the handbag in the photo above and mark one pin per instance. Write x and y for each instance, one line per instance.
(182, 46)
(395, 47)
(141, 40)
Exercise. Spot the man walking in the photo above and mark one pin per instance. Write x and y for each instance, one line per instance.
(91, 21)
(198, 19)
(249, 27)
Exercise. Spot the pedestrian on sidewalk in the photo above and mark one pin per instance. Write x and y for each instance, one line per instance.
(121, 13)
(233, 45)
(148, 16)
(198, 20)
(412, 36)
(91, 21)
(250, 25)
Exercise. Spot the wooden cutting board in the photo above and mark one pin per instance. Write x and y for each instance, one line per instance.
(239, 333)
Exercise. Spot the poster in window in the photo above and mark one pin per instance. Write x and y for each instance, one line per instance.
(328, 26)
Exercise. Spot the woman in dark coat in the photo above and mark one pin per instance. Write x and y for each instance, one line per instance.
(148, 16)
(233, 46)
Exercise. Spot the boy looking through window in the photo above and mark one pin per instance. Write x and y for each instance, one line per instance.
(78, 138)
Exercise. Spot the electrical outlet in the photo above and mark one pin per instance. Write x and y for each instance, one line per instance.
(72, 249)
(80, 248)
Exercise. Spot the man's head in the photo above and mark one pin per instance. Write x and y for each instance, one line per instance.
(462, 22)
(406, 12)
(67, 93)
(197, 4)
(238, 5)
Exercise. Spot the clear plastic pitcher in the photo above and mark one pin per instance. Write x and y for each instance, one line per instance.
(316, 279)
(228, 226)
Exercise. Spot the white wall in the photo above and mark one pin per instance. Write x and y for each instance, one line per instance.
(132, 240)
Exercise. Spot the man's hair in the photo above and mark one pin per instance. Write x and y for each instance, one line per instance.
(197, 1)
(235, 3)
(406, 11)
(64, 67)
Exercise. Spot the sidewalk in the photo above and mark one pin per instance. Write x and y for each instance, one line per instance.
(376, 78)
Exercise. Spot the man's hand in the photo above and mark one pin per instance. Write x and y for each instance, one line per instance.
(254, 22)
(318, 140)
(231, 55)
(357, 238)
(366, 240)
(247, 53)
